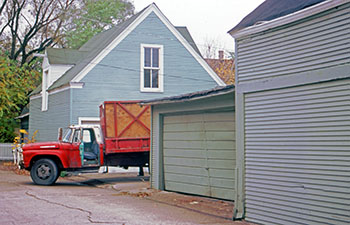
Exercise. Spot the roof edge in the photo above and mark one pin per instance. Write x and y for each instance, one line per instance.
(298, 15)
(191, 96)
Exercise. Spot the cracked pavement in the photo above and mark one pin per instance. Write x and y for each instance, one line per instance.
(78, 200)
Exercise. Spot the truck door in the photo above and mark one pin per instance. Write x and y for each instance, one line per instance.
(75, 157)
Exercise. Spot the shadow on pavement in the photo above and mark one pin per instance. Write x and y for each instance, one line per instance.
(112, 180)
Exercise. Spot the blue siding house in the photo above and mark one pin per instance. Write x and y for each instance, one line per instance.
(145, 57)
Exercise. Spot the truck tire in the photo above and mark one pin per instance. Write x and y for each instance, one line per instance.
(44, 172)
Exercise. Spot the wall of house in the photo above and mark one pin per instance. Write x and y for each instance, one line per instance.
(48, 122)
(293, 121)
(117, 77)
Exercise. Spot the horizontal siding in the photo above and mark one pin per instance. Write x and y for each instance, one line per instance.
(117, 76)
(297, 143)
(199, 155)
(318, 42)
(6, 151)
(48, 122)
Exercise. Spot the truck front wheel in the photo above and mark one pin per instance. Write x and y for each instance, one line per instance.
(44, 172)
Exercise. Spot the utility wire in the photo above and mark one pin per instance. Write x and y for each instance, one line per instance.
(139, 71)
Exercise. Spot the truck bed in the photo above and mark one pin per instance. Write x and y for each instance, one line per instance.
(125, 126)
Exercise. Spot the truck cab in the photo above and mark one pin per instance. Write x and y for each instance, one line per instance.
(79, 148)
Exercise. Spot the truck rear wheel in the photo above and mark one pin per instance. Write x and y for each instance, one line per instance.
(44, 172)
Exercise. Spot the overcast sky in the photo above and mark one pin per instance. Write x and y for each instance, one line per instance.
(207, 20)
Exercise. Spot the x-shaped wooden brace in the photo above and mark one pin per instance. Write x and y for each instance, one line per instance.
(136, 119)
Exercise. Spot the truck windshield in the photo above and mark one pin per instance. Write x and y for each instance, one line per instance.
(67, 135)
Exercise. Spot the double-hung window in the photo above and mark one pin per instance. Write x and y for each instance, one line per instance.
(151, 68)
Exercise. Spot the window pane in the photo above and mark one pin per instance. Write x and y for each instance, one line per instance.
(147, 57)
(86, 136)
(147, 78)
(76, 136)
(155, 57)
(155, 78)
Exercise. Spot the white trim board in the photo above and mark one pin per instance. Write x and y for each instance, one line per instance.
(130, 28)
(89, 119)
(301, 14)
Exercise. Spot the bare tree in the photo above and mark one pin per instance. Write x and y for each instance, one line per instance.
(29, 26)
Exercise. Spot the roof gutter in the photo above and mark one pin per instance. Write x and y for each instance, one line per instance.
(312, 10)
(22, 116)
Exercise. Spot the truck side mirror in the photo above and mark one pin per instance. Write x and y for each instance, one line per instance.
(60, 134)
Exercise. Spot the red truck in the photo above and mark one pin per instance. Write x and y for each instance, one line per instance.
(122, 139)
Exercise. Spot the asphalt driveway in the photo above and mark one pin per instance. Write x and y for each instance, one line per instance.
(121, 198)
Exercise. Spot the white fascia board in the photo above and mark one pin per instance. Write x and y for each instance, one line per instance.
(75, 85)
(130, 28)
(46, 64)
(58, 90)
(35, 96)
(189, 48)
(301, 14)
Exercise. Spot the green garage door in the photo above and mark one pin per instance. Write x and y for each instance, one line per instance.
(199, 154)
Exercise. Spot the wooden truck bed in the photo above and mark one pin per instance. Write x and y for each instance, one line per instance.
(125, 126)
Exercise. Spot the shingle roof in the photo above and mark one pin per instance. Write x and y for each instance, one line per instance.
(186, 34)
(272, 9)
(64, 55)
(191, 96)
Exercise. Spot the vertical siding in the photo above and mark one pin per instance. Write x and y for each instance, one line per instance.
(48, 122)
(318, 42)
(297, 150)
(117, 76)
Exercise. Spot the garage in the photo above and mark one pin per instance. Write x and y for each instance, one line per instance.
(198, 156)
(297, 154)
(193, 143)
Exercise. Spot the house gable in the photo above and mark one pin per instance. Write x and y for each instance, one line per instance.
(117, 75)
(152, 9)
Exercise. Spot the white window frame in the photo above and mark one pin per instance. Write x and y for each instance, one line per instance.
(81, 120)
(161, 69)
(44, 92)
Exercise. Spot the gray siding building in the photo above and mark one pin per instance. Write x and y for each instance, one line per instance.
(293, 113)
